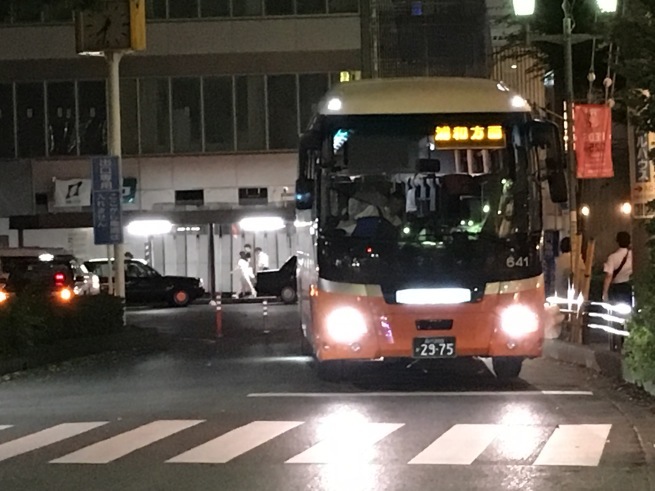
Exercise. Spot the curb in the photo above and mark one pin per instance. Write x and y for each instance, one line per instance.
(130, 338)
(605, 362)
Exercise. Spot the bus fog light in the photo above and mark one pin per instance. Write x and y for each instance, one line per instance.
(346, 325)
(518, 320)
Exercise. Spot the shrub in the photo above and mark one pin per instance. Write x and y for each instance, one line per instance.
(31, 320)
(639, 347)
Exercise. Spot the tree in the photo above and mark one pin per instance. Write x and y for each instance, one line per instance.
(634, 34)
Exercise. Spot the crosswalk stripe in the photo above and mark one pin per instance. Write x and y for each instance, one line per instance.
(347, 444)
(581, 445)
(4, 427)
(460, 445)
(234, 443)
(120, 445)
(44, 438)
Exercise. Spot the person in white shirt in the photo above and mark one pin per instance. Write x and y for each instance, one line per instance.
(261, 260)
(244, 276)
(617, 287)
(563, 268)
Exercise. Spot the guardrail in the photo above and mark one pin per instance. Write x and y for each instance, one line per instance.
(597, 317)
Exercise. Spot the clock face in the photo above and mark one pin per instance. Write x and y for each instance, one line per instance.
(109, 28)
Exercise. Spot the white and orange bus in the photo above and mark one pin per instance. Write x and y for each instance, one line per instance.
(419, 217)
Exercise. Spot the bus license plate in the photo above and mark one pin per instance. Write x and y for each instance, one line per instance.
(434, 347)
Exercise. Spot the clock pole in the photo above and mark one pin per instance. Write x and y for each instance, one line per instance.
(114, 146)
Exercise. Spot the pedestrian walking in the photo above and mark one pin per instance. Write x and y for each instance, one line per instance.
(245, 276)
(617, 287)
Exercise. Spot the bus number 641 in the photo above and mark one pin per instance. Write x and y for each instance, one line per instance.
(517, 262)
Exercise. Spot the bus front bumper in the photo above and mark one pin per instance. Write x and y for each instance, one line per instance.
(347, 327)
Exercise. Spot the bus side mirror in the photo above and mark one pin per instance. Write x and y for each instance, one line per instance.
(304, 194)
(545, 138)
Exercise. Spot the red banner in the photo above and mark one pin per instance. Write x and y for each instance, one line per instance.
(592, 127)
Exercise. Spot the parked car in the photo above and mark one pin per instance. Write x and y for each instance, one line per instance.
(143, 284)
(279, 282)
(55, 272)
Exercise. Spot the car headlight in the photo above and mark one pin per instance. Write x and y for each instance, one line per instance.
(518, 320)
(3, 296)
(346, 325)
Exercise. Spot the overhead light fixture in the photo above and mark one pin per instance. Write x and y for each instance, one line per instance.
(147, 228)
(585, 210)
(46, 257)
(518, 101)
(524, 7)
(626, 208)
(261, 224)
(607, 6)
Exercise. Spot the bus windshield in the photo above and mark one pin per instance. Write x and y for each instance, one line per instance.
(399, 179)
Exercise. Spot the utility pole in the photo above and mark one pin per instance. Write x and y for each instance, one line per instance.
(114, 147)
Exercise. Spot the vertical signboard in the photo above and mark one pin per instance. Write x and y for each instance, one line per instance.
(107, 201)
(593, 140)
(643, 181)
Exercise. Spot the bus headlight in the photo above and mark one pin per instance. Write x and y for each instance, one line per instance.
(346, 325)
(518, 320)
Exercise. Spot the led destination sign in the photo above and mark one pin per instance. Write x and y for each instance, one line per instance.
(491, 136)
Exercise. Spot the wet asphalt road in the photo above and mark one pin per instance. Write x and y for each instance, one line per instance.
(246, 412)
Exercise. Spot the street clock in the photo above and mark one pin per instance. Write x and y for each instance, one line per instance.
(113, 25)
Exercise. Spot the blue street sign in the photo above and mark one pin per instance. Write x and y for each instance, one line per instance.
(107, 201)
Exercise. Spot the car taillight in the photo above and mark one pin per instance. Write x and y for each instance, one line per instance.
(59, 279)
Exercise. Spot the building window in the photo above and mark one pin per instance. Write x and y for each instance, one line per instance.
(190, 197)
(245, 8)
(129, 117)
(155, 116)
(343, 6)
(215, 8)
(62, 117)
(187, 135)
(26, 12)
(7, 149)
(312, 88)
(219, 114)
(250, 109)
(58, 12)
(305, 7)
(279, 7)
(156, 9)
(282, 111)
(182, 9)
(93, 117)
(31, 120)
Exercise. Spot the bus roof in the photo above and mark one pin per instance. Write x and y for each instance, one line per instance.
(434, 95)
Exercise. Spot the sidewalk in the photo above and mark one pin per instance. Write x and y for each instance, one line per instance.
(595, 356)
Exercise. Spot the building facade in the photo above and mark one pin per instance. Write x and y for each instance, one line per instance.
(210, 113)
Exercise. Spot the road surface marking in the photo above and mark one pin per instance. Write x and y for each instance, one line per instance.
(460, 445)
(44, 438)
(238, 441)
(424, 394)
(118, 446)
(346, 444)
(4, 427)
(575, 445)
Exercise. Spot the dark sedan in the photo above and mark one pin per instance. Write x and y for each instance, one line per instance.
(143, 284)
(279, 282)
